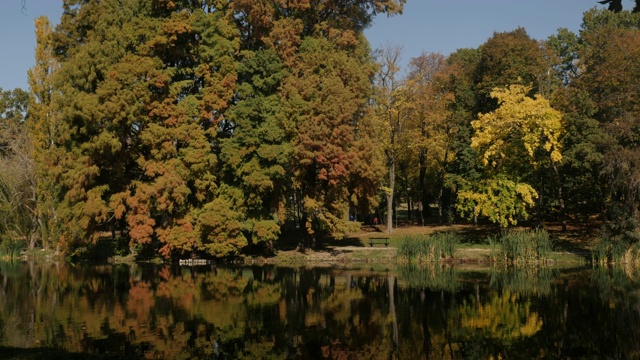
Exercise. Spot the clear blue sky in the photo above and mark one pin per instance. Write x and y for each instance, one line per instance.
(426, 25)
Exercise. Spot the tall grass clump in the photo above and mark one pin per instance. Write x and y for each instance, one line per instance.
(526, 246)
(619, 242)
(424, 249)
(495, 249)
(610, 250)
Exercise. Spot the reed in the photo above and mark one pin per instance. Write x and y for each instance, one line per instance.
(613, 250)
(526, 246)
(495, 248)
(422, 249)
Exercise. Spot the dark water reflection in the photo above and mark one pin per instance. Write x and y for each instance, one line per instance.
(170, 312)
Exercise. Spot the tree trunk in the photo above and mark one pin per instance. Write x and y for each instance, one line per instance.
(563, 217)
(392, 184)
(440, 205)
(422, 177)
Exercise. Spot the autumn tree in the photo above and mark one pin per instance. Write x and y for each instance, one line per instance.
(321, 68)
(326, 103)
(147, 87)
(432, 130)
(608, 63)
(44, 128)
(193, 210)
(390, 103)
(521, 128)
(180, 121)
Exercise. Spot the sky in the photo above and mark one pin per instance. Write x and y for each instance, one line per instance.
(431, 26)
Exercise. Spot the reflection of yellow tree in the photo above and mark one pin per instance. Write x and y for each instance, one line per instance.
(504, 317)
(264, 294)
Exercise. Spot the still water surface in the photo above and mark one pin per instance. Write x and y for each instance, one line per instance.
(266, 312)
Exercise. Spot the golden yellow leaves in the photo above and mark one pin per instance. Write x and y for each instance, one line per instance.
(522, 126)
(505, 317)
(501, 200)
(523, 132)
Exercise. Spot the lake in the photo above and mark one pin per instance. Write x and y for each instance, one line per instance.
(270, 312)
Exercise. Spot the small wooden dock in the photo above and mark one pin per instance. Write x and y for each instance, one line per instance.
(194, 262)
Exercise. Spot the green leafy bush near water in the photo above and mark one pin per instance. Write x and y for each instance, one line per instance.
(427, 248)
(10, 248)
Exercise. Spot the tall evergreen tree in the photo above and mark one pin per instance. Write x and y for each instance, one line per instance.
(44, 129)
(179, 121)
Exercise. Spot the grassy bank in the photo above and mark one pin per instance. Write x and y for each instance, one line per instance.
(465, 244)
(473, 246)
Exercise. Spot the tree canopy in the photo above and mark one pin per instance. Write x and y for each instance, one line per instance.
(203, 127)
(211, 128)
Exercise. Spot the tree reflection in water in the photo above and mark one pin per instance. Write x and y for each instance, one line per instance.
(271, 312)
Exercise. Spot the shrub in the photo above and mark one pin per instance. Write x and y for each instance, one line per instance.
(11, 248)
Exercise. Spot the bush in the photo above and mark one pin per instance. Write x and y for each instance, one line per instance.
(11, 248)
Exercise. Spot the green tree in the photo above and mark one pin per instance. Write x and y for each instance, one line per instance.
(508, 58)
(258, 154)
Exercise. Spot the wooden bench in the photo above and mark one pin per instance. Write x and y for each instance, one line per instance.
(379, 240)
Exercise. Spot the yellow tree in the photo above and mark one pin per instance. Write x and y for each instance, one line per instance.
(521, 134)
